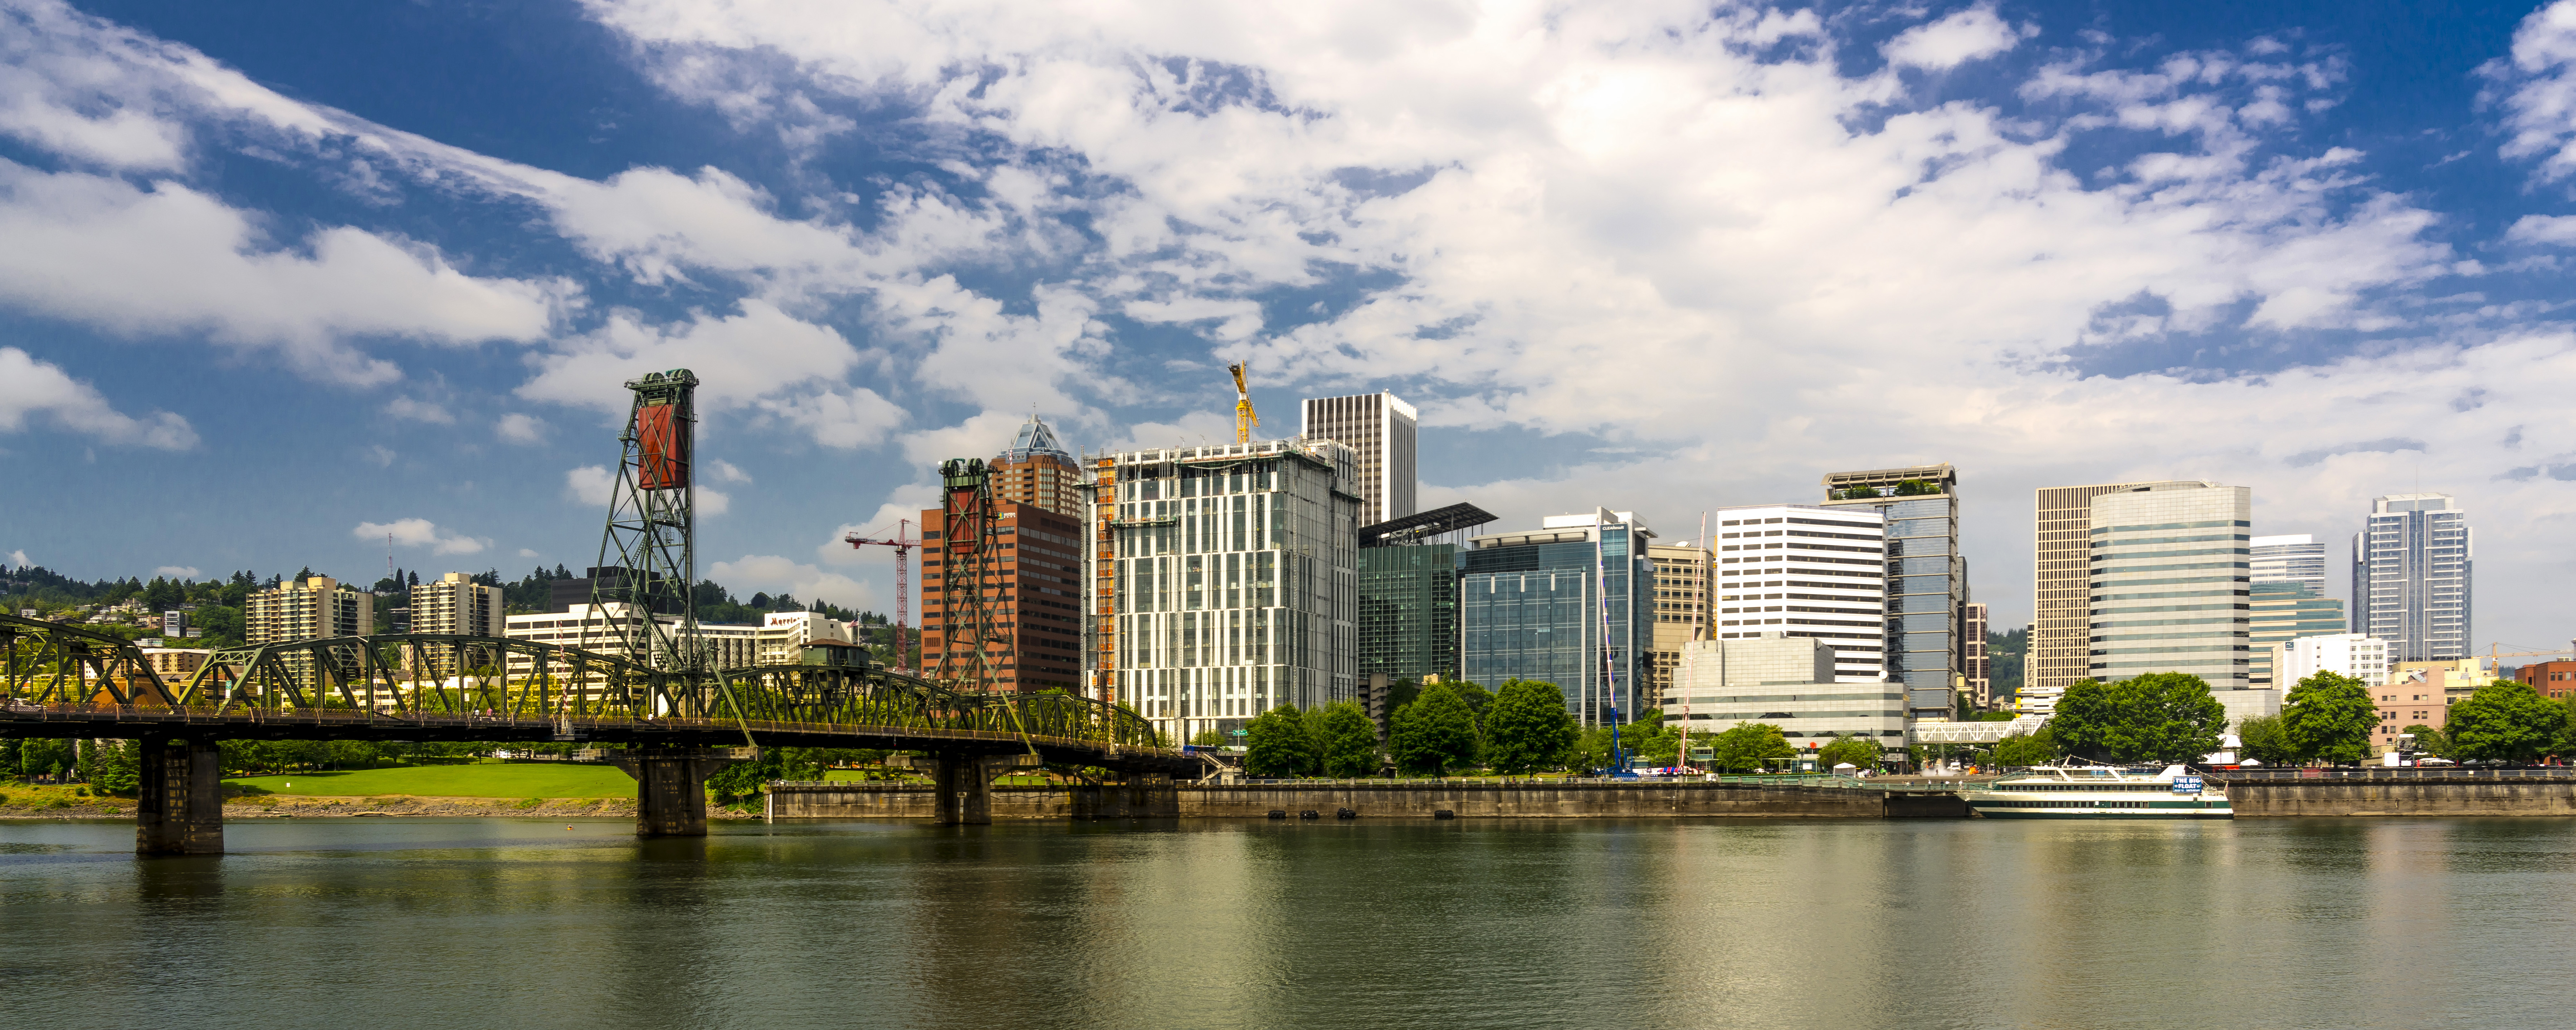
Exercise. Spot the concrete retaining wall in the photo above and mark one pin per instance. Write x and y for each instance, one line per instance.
(2354, 797)
(1371, 800)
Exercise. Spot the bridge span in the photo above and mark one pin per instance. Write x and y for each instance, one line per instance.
(674, 728)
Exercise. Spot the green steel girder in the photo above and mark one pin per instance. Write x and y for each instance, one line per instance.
(53, 663)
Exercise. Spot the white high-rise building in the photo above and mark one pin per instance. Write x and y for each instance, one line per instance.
(2294, 558)
(1807, 571)
(1379, 429)
(454, 603)
(2361, 657)
(2410, 576)
(2169, 590)
(1235, 580)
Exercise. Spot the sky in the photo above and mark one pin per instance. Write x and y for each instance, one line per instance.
(279, 282)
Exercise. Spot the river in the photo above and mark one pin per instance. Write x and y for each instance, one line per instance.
(1855, 924)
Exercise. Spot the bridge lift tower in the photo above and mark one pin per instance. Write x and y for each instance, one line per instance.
(648, 553)
(970, 564)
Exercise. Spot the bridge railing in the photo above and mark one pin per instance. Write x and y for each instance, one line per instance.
(216, 718)
(2386, 773)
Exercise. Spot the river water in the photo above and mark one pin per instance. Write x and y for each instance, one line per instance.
(1853, 924)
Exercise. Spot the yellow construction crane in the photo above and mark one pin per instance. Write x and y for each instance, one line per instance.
(1244, 417)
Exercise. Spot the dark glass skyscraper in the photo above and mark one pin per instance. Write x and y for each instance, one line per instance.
(1409, 611)
(1568, 604)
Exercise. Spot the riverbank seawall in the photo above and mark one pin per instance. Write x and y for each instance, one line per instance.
(1392, 799)
(2396, 796)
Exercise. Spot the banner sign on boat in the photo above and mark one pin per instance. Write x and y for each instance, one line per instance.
(2186, 785)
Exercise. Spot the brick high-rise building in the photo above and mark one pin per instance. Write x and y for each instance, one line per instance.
(1038, 471)
(1034, 591)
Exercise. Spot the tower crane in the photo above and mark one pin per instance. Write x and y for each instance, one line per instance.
(902, 582)
(1244, 417)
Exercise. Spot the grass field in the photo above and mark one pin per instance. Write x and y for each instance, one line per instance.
(532, 780)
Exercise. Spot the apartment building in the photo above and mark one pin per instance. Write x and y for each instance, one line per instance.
(454, 603)
(2411, 566)
(1234, 579)
(306, 609)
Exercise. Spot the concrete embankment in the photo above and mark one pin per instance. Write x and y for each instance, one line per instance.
(2400, 797)
(1394, 799)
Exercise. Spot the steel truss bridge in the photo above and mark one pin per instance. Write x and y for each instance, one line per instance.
(69, 682)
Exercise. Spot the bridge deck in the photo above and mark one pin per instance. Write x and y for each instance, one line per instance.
(21, 719)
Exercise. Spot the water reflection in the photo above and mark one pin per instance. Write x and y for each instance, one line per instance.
(1467, 923)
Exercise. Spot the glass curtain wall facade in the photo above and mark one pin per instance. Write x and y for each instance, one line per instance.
(2170, 583)
(1568, 604)
(2296, 558)
(2283, 612)
(1235, 582)
(1409, 611)
(2410, 576)
(2060, 648)
(1927, 577)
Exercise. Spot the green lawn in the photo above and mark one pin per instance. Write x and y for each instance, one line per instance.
(531, 780)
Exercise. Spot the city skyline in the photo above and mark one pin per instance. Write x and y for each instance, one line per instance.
(433, 290)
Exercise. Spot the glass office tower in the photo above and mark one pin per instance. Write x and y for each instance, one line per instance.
(2170, 590)
(1567, 604)
(1927, 577)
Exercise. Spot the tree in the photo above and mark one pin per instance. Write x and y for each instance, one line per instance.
(1862, 752)
(2164, 717)
(2505, 720)
(1435, 733)
(1208, 738)
(2329, 718)
(1528, 728)
(1276, 744)
(1313, 721)
(2082, 723)
(2027, 748)
(1747, 745)
(1479, 700)
(1350, 740)
(2264, 739)
(115, 769)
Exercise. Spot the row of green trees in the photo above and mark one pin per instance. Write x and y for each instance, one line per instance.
(2326, 717)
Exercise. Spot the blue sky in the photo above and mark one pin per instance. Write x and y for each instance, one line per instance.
(278, 280)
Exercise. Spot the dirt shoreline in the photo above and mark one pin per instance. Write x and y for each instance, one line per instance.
(274, 806)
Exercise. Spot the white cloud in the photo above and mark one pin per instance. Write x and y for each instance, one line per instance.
(418, 411)
(169, 259)
(526, 553)
(176, 571)
(421, 533)
(518, 428)
(382, 455)
(712, 502)
(2550, 229)
(771, 574)
(591, 485)
(739, 359)
(724, 471)
(1952, 41)
(18, 558)
(31, 388)
(2538, 84)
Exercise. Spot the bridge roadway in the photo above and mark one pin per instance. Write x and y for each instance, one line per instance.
(70, 682)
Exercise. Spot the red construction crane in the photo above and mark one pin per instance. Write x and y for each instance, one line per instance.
(902, 582)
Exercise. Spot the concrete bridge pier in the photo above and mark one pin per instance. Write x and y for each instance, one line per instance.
(179, 809)
(964, 790)
(670, 789)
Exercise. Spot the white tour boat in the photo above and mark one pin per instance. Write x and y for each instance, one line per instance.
(2100, 792)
